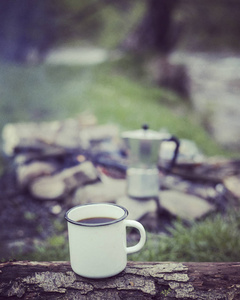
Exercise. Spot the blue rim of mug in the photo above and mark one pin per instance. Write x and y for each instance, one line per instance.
(97, 225)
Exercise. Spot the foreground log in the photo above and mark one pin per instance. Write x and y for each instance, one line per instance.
(140, 280)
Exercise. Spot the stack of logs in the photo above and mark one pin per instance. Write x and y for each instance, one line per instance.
(52, 159)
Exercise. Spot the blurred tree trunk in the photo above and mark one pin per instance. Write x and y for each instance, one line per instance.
(158, 32)
(155, 31)
(27, 29)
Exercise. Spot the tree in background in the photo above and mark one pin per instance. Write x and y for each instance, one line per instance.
(29, 29)
(158, 33)
(155, 31)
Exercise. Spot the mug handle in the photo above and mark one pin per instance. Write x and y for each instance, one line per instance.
(140, 228)
(175, 154)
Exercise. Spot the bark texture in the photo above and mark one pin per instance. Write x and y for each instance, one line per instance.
(140, 280)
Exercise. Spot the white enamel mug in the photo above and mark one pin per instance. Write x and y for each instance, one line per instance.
(100, 250)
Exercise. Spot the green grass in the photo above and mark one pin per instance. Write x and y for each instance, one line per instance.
(215, 239)
(55, 248)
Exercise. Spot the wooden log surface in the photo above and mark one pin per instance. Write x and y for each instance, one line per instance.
(140, 280)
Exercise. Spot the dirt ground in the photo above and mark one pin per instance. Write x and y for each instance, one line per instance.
(24, 221)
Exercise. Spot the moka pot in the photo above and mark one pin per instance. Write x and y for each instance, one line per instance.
(143, 147)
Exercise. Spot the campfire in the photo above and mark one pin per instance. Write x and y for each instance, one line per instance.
(85, 162)
(52, 159)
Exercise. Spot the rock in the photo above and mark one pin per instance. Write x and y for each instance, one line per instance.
(106, 191)
(28, 172)
(48, 188)
(57, 186)
(137, 208)
(215, 92)
(185, 206)
(114, 190)
(232, 183)
(79, 175)
(70, 134)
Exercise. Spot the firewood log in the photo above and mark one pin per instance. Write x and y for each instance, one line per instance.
(140, 280)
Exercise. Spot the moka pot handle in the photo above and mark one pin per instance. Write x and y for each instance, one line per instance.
(175, 153)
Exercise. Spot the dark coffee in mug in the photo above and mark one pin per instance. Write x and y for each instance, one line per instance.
(96, 220)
